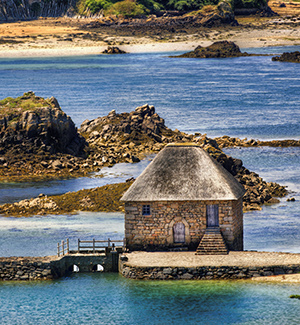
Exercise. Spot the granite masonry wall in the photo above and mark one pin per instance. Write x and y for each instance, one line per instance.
(205, 272)
(155, 231)
(24, 268)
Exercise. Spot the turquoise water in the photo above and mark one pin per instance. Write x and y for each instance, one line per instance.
(111, 299)
(246, 97)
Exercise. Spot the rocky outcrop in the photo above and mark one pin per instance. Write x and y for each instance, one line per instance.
(223, 14)
(127, 137)
(113, 50)
(288, 57)
(226, 141)
(38, 138)
(222, 49)
(33, 123)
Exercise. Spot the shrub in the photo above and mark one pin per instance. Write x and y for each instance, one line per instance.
(93, 6)
(127, 8)
(248, 4)
(152, 5)
(184, 5)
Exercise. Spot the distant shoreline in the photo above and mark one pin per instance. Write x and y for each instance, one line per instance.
(59, 37)
(134, 48)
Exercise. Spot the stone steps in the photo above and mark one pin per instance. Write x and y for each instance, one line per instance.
(212, 243)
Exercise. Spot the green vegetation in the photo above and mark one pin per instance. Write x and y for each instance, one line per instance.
(11, 106)
(248, 4)
(127, 8)
(137, 8)
(295, 296)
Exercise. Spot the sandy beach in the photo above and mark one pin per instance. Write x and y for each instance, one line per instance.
(66, 37)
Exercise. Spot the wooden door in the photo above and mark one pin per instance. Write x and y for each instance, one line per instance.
(179, 232)
(212, 215)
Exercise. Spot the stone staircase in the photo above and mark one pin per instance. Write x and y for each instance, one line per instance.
(212, 243)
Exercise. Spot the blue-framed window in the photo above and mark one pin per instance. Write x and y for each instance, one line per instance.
(146, 210)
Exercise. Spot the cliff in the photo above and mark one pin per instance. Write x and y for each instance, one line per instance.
(26, 9)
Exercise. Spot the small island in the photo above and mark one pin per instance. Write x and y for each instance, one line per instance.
(288, 57)
(222, 49)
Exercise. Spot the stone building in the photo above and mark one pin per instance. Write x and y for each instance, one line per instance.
(184, 199)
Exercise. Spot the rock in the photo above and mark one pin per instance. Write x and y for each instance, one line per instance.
(113, 50)
(57, 164)
(292, 199)
(44, 125)
(186, 276)
(221, 49)
(288, 57)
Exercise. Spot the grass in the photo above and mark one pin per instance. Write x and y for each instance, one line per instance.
(15, 106)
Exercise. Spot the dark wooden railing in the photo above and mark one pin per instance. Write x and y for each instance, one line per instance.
(90, 246)
(98, 245)
(63, 248)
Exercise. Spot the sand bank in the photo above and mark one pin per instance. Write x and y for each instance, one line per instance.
(61, 37)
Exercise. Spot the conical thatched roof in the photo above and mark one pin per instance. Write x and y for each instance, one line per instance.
(181, 173)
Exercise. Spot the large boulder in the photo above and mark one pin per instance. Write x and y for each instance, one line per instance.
(221, 49)
(34, 124)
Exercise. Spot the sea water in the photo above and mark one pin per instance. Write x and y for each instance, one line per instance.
(111, 299)
(246, 97)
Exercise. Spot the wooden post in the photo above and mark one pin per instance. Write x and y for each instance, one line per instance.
(63, 247)
(108, 242)
(93, 245)
(68, 247)
(78, 245)
(58, 249)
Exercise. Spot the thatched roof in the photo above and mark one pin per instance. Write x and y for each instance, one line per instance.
(181, 173)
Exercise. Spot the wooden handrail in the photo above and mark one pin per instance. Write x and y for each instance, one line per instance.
(63, 248)
(83, 245)
(94, 246)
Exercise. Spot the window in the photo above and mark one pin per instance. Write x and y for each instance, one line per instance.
(146, 210)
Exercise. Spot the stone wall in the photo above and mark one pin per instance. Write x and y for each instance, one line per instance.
(85, 262)
(155, 231)
(25, 268)
(205, 272)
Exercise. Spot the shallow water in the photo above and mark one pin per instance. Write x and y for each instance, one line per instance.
(111, 299)
(14, 192)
